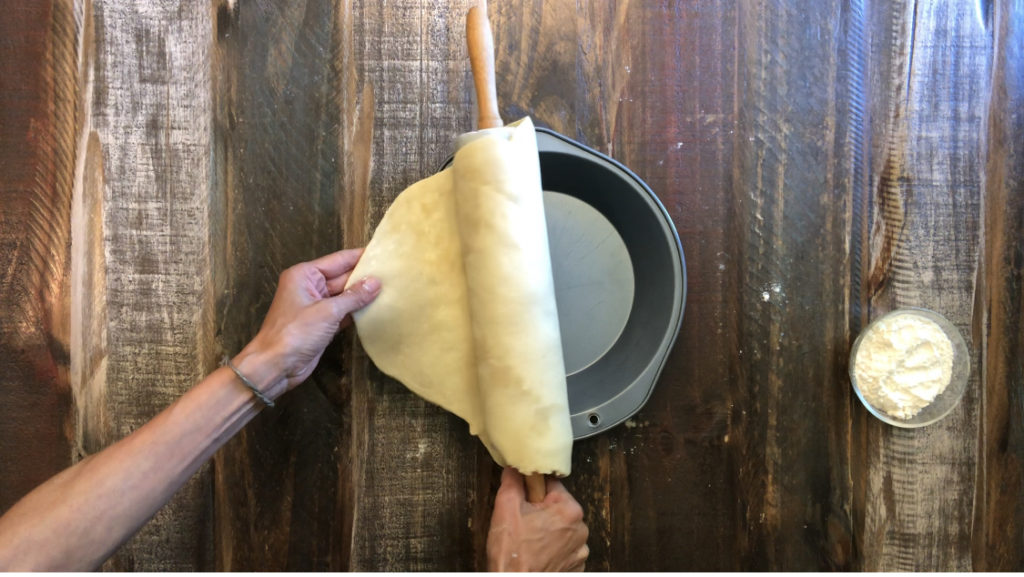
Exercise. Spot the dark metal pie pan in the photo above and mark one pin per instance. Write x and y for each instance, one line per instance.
(620, 280)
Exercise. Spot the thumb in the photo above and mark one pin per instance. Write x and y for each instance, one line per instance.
(512, 486)
(355, 297)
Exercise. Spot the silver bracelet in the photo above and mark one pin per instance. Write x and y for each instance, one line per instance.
(259, 395)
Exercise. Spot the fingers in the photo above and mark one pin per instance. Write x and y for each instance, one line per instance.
(512, 487)
(356, 297)
(336, 285)
(580, 560)
(320, 285)
(559, 499)
(337, 263)
(549, 537)
(558, 494)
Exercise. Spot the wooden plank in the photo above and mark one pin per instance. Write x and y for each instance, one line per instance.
(277, 483)
(679, 135)
(931, 84)
(416, 501)
(355, 101)
(788, 442)
(38, 97)
(148, 136)
(998, 322)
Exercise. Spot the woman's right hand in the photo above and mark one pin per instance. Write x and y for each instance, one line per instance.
(546, 536)
(309, 308)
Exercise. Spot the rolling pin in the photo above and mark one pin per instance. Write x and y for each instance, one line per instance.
(481, 58)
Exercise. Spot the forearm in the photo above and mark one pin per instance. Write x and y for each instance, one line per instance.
(77, 519)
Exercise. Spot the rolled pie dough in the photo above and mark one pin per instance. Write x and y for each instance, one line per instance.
(466, 318)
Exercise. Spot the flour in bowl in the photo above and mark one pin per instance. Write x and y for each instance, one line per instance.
(903, 363)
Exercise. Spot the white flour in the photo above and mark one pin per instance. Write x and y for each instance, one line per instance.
(903, 363)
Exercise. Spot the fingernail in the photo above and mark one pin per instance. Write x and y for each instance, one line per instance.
(371, 284)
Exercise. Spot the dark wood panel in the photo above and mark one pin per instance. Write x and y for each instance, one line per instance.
(277, 483)
(788, 455)
(998, 327)
(38, 96)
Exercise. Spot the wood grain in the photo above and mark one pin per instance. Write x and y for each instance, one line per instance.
(149, 136)
(682, 142)
(998, 326)
(824, 162)
(355, 101)
(277, 483)
(790, 458)
(927, 172)
(677, 140)
(417, 465)
(38, 95)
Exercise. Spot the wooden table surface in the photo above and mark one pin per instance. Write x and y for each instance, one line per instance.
(824, 161)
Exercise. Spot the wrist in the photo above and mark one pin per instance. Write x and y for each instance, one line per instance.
(263, 368)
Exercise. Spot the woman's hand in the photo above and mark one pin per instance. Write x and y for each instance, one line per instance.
(309, 308)
(547, 536)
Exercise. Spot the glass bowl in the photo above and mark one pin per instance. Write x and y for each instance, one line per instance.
(944, 403)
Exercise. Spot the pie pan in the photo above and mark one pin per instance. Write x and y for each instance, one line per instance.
(620, 280)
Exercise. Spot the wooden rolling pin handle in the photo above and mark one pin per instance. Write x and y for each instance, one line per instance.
(481, 59)
(536, 488)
